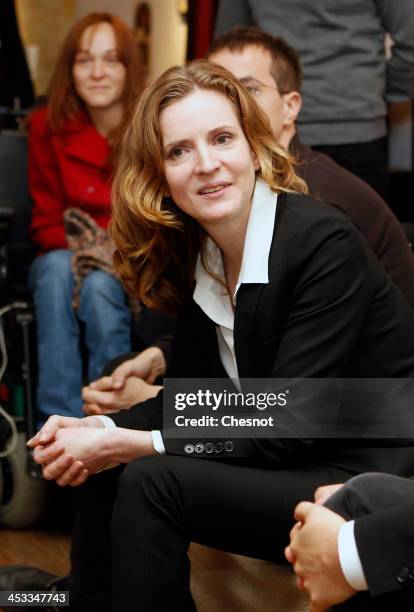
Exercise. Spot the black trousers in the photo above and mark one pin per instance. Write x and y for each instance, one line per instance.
(368, 160)
(135, 525)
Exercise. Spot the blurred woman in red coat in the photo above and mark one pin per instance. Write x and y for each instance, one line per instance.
(70, 142)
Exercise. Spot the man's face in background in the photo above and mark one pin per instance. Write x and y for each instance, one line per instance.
(252, 66)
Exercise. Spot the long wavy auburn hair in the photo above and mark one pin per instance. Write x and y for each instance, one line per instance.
(63, 101)
(156, 244)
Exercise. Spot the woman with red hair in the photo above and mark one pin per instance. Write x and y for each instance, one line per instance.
(71, 140)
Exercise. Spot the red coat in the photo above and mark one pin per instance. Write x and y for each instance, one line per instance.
(67, 169)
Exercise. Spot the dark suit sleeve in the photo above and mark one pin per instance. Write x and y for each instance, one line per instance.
(385, 542)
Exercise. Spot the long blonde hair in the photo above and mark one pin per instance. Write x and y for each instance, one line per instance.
(157, 244)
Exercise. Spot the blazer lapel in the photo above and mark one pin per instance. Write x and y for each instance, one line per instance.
(248, 298)
(244, 342)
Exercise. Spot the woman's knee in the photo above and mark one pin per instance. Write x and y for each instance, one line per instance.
(53, 267)
(99, 284)
(153, 478)
(144, 469)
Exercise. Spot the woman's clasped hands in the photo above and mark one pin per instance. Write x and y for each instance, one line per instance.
(71, 449)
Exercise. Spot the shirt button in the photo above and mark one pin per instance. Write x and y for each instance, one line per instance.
(199, 447)
(209, 447)
(403, 574)
(90, 189)
(228, 446)
(188, 449)
(219, 447)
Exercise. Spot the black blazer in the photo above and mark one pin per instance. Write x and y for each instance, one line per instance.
(383, 508)
(385, 542)
(329, 310)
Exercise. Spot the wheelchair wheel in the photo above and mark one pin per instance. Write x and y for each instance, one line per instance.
(22, 497)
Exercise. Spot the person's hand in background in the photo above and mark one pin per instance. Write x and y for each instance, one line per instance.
(130, 383)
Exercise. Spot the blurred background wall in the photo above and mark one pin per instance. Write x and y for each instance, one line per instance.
(43, 26)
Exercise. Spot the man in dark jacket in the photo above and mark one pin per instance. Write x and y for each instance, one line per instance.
(362, 541)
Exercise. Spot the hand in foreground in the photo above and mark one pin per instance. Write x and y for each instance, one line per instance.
(313, 551)
(80, 451)
(101, 397)
(91, 447)
(47, 433)
(325, 492)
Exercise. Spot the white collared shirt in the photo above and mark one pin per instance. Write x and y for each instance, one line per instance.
(212, 296)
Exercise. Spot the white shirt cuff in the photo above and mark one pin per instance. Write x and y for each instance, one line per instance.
(158, 442)
(349, 558)
(107, 421)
